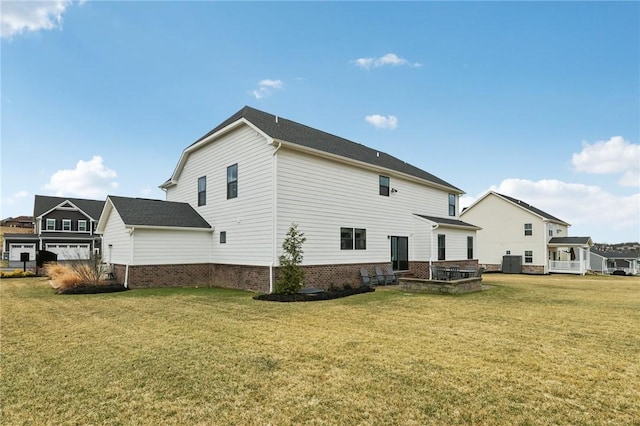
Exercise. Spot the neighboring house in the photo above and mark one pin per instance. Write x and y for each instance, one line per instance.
(14, 225)
(64, 226)
(18, 222)
(608, 262)
(256, 174)
(514, 231)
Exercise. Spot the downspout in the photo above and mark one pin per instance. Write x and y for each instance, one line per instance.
(274, 225)
(433, 228)
(126, 272)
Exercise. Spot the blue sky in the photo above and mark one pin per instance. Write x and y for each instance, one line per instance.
(536, 100)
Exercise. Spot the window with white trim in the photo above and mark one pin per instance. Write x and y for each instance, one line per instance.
(528, 229)
(384, 185)
(66, 224)
(353, 239)
(202, 191)
(82, 226)
(528, 256)
(232, 181)
(51, 225)
(452, 204)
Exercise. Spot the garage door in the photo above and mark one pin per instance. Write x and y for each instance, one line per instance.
(16, 249)
(70, 251)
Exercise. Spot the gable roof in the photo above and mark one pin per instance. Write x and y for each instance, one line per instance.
(582, 241)
(617, 254)
(521, 204)
(288, 131)
(449, 222)
(45, 203)
(156, 213)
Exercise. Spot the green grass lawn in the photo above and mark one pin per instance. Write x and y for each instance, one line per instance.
(531, 350)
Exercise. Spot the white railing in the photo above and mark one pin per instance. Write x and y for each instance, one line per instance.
(567, 266)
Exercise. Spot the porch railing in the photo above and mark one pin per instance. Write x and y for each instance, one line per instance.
(567, 266)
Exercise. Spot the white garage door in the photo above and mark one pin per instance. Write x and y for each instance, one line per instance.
(70, 251)
(16, 249)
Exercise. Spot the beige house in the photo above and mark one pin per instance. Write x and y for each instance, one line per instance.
(518, 237)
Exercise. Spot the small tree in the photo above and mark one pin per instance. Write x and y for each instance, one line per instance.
(291, 273)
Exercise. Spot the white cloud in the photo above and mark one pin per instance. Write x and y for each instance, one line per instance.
(615, 156)
(589, 209)
(382, 122)
(16, 197)
(89, 179)
(266, 87)
(388, 59)
(21, 16)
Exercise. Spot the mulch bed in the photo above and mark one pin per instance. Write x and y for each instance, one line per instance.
(314, 296)
(93, 289)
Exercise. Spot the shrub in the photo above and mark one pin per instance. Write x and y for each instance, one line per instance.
(17, 273)
(76, 273)
(291, 273)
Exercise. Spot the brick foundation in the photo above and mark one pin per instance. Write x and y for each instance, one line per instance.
(256, 278)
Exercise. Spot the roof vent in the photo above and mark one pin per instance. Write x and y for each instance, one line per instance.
(378, 154)
(276, 119)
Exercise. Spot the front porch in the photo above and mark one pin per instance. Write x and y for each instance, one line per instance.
(578, 267)
(569, 255)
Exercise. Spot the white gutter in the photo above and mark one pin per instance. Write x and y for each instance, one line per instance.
(274, 225)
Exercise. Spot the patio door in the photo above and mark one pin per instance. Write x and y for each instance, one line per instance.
(400, 253)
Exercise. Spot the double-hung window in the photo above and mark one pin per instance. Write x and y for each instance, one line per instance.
(51, 224)
(353, 239)
(528, 229)
(452, 204)
(232, 181)
(66, 224)
(441, 247)
(528, 256)
(384, 185)
(82, 226)
(202, 191)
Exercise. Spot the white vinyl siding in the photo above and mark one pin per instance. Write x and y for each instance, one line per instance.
(502, 226)
(322, 196)
(164, 247)
(117, 236)
(248, 218)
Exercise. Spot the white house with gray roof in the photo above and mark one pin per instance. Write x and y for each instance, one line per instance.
(256, 174)
(516, 232)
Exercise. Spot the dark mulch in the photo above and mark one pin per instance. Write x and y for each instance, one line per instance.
(93, 289)
(305, 296)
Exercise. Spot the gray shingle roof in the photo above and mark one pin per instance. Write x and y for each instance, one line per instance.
(570, 240)
(531, 208)
(289, 131)
(448, 221)
(145, 212)
(44, 203)
(617, 254)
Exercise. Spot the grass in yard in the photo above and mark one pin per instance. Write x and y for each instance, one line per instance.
(531, 350)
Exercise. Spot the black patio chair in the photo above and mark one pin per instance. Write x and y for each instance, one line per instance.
(380, 276)
(366, 279)
(390, 276)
